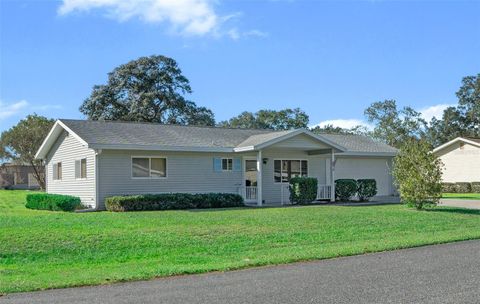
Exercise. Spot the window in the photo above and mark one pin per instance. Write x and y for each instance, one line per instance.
(286, 169)
(81, 168)
(227, 164)
(57, 171)
(149, 167)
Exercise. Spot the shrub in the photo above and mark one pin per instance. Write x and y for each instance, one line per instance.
(463, 187)
(449, 188)
(172, 201)
(476, 187)
(345, 189)
(303, 190)
(366, 189)
(417, 173)
(54, 202)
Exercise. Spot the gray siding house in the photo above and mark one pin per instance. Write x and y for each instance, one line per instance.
(98, 159)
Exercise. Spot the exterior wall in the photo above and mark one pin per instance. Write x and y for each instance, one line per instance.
(272, 192)
(460, 164)
(186, 172)
(302, 140)
(66, 150)
(363, 167)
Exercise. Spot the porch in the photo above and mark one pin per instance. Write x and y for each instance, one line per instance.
(250, 194)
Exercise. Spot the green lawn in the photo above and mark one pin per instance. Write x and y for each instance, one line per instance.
(461, 195)
(41, 249)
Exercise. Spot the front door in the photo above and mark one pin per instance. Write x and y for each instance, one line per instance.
(250, 180)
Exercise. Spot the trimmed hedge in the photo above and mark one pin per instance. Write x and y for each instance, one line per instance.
(303, 190)
(172, 201)
(476, 187)
(54, 202)
(366, 189)
(463, 187)
(345, 189)
(449, 187)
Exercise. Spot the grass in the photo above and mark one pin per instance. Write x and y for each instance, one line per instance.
(470, 196)
(43, 249)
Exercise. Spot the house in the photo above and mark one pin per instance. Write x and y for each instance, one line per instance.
(98, 159)
(18, 176)
(461, 160)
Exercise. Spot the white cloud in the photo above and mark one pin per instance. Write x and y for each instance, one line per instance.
(186, 17)
(8, 110)
(343, 123)
(434, 111)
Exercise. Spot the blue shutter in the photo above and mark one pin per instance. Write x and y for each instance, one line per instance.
(217, 164)
(237, 164)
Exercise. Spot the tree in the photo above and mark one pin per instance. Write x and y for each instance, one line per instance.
(269, 119)
(394, 126)
(462, 120)
(417, 173)
(330, 129)
(150, 89)
(21, 142)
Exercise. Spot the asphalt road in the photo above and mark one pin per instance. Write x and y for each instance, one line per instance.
(447, 273)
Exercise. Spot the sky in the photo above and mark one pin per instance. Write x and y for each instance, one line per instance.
(330, 58)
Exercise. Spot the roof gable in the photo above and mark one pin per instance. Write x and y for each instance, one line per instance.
(472, 141)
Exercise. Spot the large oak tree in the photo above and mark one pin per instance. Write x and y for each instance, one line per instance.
(148, 89)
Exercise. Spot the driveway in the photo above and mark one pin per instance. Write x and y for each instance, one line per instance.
(462, 203)
(434, 274)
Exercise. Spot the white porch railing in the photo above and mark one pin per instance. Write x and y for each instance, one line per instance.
(249, 193)
(324, 192)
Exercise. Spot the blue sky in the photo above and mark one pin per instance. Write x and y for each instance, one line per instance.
(331, 59)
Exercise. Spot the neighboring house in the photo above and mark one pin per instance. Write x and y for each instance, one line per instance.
(98, 159)
(17, 176)
(461, 160)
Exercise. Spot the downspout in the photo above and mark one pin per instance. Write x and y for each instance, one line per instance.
(97, 202)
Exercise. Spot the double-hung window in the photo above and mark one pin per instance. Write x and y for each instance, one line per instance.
(57, 171)
(286, 169)
(81, 168)
(227, 164)
(149, 167)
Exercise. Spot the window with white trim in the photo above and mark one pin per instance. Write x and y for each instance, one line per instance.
(57, 171)
(286, 169)
(81, 168)
(227, 164)
(149, 167)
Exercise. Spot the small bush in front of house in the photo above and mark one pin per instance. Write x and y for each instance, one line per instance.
(366, 189)
(476, 187)
(345, 189)
(303, 190)
(172, 201)
(53, 202)
(449, 188)
(463, 187)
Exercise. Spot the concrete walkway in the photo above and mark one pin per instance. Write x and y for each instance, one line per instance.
(462, 203)
(447, 273)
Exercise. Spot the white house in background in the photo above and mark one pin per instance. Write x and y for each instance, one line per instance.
(461, 159)
(98, 159)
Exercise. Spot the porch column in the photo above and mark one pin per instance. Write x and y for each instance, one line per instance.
(332, 177)
(259, 178)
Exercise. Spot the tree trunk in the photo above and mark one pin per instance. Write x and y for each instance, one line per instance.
(38, 176)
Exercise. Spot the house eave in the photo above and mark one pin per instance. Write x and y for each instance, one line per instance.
(160, 148)
(449, 143)
(368, 154)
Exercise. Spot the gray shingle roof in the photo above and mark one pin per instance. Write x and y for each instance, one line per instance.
(359, 143)
(149, 134)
